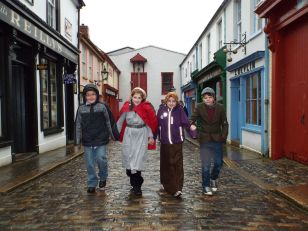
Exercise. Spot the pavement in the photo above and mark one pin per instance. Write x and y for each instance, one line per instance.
(284, 177)
(21, 172)
(245, 200)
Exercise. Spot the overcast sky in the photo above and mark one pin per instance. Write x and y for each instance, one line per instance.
(169, 24)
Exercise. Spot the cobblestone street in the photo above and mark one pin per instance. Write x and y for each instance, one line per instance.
(59, 201)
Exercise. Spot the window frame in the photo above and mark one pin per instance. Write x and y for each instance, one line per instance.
(59, 103)
(165, 91)
(238, 21)
(257, 99)
(56, 14)
(208, 39)
(219, 32)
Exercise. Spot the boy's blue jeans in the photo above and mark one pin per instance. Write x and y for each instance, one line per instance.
(96, 155)
(211, 152)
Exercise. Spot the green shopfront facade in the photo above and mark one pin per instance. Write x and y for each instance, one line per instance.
(213, 75)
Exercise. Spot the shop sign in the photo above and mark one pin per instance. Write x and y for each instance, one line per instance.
(190, 93)
(210, 75)
(20, 23)
(245, 68)
(69, 79)
(42, 66)
(108, 92)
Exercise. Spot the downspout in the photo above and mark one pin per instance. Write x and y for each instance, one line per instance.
(266, 101)
(78, 46)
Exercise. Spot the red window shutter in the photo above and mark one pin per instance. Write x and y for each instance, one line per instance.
(143, 81)
(134, 80)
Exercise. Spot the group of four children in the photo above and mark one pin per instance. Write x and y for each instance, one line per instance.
(138, 127)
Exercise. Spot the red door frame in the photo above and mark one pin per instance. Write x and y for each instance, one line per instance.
(280, 14)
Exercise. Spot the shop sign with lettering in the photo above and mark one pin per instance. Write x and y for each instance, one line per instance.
(20, 23)
(210, 75)
(245, 68)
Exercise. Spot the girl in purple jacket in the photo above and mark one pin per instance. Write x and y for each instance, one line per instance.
(171, 121)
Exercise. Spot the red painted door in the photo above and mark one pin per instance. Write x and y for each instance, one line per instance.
(139, 80)
(294, 75)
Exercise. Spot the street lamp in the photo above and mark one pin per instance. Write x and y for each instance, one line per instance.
(104, 74)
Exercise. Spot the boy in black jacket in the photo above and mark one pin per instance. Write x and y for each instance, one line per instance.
(93, 126)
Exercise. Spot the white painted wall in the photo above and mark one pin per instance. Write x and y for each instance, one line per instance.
(158, 60)
(69, 11)
(39, 8)
(256, 42)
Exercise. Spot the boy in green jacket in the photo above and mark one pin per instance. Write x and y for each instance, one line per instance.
(213, 133)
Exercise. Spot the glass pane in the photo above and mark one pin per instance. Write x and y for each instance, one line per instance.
(53, 94)
(254, 87)
(248, 111)
(254, 112)
(0, 116)
(259, 112)
(44, 94)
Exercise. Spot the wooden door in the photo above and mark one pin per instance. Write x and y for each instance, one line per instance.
(294, 75)
(139, 79)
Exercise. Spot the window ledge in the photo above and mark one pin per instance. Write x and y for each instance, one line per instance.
(4, 144)
(255, 34)
(52, 131)
(254, 129)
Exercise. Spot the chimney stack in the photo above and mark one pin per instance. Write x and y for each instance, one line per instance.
(84, 30)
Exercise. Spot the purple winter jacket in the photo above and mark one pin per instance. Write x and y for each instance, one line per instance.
(171, 123)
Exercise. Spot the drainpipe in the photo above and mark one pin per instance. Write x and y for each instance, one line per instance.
(78, 46)
(266, 102)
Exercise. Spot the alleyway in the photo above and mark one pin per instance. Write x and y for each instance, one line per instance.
(58, 201)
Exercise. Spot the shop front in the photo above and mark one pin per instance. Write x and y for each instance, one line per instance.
(110, 98)
(189, 94)
(213, 75)
(288, 35)
(33, 60)
(247, 102)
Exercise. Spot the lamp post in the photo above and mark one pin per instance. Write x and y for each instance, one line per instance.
(104, 74)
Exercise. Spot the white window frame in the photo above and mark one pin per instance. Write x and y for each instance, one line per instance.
(238, 21)
(51, 17)
(219, 33)
(208, 37)
(200, 56)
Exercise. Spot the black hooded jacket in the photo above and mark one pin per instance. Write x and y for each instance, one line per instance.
(94, 123)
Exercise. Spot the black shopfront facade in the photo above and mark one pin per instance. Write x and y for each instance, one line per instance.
(33, 60)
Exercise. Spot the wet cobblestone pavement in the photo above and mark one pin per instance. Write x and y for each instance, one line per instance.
(59, 201)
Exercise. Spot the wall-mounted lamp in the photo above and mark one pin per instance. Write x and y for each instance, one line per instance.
(241, 43)
(172, 89)
(104, 74)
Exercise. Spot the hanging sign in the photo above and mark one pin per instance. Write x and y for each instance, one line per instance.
(42, 66)
(69, 79)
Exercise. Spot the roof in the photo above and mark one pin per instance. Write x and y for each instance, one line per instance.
(138, 58)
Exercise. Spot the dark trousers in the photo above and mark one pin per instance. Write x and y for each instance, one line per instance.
(136, 179)
(171, 167)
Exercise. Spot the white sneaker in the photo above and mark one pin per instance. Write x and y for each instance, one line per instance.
(214, 185)
(207, 191)
(178, 194)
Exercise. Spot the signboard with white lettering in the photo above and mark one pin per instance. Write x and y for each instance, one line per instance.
(25, 26)
(69, 79)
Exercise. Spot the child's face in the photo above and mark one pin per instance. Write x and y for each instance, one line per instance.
(91, 97)
(171, 103)
(136, 99)
(208, 99)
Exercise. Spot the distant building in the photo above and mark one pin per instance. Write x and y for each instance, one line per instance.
(96, 67)
(154, 69)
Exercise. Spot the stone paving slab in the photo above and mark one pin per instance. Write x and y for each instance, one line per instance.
(20, 173)
(58, 201)
(285, 177)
